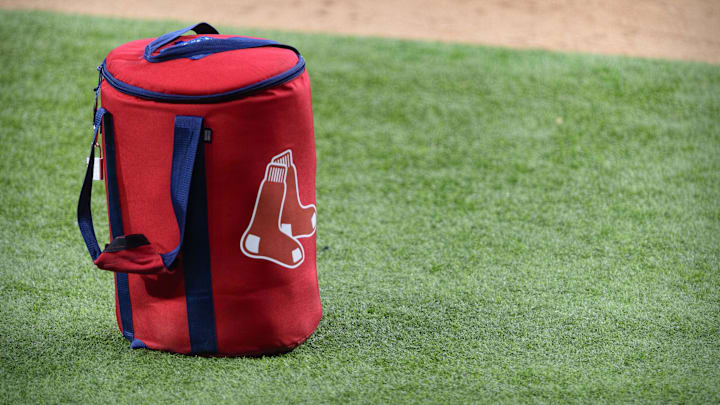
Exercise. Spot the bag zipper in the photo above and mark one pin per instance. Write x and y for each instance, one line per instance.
(126, 88)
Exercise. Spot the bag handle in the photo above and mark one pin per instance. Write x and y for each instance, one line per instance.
(134, 253)
(202, 46)
(162, 40)
(185, 148)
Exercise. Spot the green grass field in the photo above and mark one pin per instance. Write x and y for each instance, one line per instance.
(494, 226)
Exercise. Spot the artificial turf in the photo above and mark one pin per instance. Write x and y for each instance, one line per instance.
(494, 226)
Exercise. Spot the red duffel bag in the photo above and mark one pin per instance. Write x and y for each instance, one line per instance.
(209, 167)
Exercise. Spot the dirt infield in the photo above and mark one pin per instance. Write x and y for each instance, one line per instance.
(688, 29)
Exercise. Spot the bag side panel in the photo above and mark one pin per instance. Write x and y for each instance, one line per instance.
(261, 307)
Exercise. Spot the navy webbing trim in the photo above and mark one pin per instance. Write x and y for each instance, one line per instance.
(122, 287)
(185, 147)
(202, 46)
(162, 40)
(122, 283)
(116, 225)
(196, 265)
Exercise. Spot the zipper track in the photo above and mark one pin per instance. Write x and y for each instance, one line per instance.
(273, 81)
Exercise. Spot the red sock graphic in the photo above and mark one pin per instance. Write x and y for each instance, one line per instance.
(297, 220)
(263, 239)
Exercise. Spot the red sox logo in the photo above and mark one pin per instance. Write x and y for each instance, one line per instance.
(279, 219)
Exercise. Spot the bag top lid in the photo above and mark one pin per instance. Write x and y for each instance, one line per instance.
(206, 67)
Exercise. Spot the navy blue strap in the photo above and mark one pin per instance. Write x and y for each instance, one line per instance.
(202, 46)
(84, 213)
(162, 40)
(199, 47)
(185, 148)
(196, 265)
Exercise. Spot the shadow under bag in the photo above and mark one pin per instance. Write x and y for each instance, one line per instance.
(209, 167)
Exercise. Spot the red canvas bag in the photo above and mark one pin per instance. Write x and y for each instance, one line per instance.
(209, 167)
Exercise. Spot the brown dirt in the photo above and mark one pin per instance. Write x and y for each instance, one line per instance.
(688, 29)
